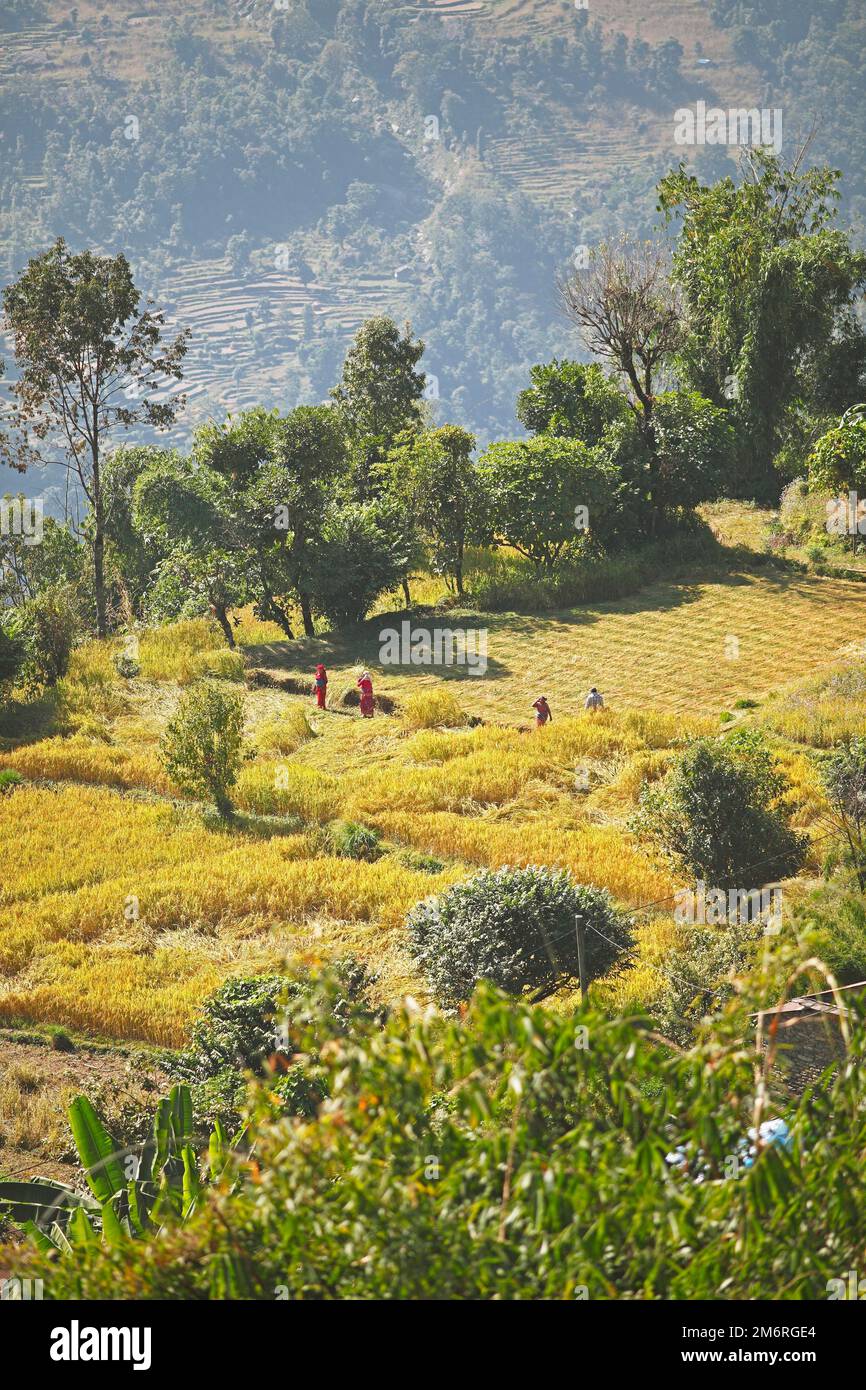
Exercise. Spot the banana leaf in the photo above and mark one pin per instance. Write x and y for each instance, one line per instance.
(181, 1104)
(102, 1168)
(28, 1201)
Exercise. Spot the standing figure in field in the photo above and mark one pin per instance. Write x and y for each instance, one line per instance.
(542, 712)
(320, 686)
(365, 685)
(593, 701)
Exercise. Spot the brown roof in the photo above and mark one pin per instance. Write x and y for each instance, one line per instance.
(812, 1005)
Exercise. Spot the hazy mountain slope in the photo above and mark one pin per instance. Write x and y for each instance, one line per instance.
(278, 172)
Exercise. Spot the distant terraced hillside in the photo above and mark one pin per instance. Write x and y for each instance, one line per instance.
(247, 332)
(586, 158)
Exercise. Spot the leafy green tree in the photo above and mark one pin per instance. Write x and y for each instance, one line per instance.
(131, 558)
(201, 747)
(26, 569)
(694, 449)
(278, 477)
(718, 814)
(358, 556)
(837, 465)
(379, 394)
(13, 653)
(570, 400)
(533, 488)
(515, 928)
(769, 286)
(89, 362)
(183, 513)
(435, 475)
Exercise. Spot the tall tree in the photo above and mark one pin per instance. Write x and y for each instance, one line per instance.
(278, 476)
(379, 394)
(90, 362)
(769, 287)
(532, 491)
(629, 314)
(435, 471)
(182, 514)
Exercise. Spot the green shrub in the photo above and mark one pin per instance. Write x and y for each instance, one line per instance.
(9, 779)
(13, 653)
(50, 625)
(717, 814)
(515, 928)
(351, 840)
(699, 978)
(844, 778)
(247, 1026)
(202, 746)
(833, 922)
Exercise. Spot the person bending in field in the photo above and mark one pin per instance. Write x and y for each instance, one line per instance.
(365, 685)
(593, 701)
(320, 686)
(542, 712)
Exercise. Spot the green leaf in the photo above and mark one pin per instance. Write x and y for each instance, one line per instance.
(27, 1201)
(96, 1150)
(191, 1180)
(80, 1229)
(112, 1229)
(181, 1120)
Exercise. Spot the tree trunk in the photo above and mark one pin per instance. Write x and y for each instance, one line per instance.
(219, 612)
(99, 556)
(271, 610)
(407, 596)
(307, 615)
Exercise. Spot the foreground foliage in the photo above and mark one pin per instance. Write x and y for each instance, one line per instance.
(515, 1154)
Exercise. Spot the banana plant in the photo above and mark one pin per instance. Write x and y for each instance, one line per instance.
(131, 1193)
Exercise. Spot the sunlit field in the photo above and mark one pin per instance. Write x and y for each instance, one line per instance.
(123, 904)
(687, 648)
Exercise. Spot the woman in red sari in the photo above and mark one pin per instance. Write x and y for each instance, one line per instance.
(365, 685)
(320, 686)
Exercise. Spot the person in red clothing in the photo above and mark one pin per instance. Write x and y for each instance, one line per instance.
(320, 686)
(365, 685)
(542, 712)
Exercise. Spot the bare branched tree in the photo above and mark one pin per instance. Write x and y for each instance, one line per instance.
(627, 311)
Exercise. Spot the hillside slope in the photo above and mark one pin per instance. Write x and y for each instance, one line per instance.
(277, 175)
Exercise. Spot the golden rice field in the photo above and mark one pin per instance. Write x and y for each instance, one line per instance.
(692, 648)
(122, 905)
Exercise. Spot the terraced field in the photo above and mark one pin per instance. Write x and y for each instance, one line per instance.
(121, 905)
(230, 369)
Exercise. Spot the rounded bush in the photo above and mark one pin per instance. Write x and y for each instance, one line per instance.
(515, 928)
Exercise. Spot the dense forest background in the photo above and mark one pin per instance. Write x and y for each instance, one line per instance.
(279, 172)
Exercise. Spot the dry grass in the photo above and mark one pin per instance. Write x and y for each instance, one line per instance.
(118, 913)
(32, 1109)
(678, 648)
